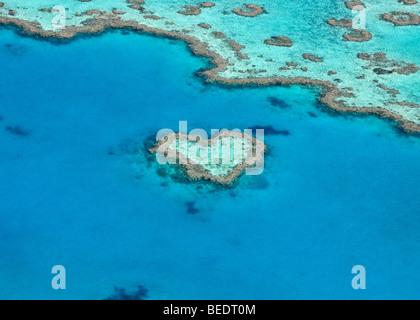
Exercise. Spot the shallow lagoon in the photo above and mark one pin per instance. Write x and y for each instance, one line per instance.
(336, 192)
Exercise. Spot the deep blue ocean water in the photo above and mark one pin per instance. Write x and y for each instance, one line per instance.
(337, 191)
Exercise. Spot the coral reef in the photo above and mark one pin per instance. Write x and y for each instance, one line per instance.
(190, 11)
(211, 159)
(252, 10)
(279, 41)
(352, 4)
(344, 23)
(399, 18)
(358, 35)
(101, 21)
(312, 57)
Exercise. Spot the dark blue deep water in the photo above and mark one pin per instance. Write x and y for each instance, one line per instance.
(76, 189)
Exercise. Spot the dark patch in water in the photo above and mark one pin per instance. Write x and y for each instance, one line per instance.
(191, 209)
(269, 130)
(17, 130)
(15, 50)
(162, 172)
(258, 183)
(278, 103)
(313, 115)
(121, 294)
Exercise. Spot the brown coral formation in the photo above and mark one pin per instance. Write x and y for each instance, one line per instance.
(234, 45)
(237, 48)
(115, 11)
(92, 12)
(408, 2)
(358, 35)
(378, 56)
(252, 10)
(407, 69)
(312, 57)
(351, 4)
(392, 92)
(136, 5)
(204, 25)
(399, 18)
(190, 11)
(152, 16)
(403, 103)
(279, 41)
(207, 4)
(219, 35)
(344, 23)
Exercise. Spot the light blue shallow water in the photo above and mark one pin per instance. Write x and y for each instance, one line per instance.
(337, 192)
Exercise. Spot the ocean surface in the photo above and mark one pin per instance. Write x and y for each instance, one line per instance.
(77, 190)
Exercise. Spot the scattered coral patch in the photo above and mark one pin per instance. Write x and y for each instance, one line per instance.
(204, 25)
(237, 48)
(207, 4)
(392, 92)
(312, 57)
(279, 41)
(115, 11)
(358, 36)
(136, 5)
(219, 35)
(252, 10)
(153, 17)
(408, 2)
(380, 64)
(378, 56)
(345, 23)
(399, 18)
(352, 4)
(190, 11)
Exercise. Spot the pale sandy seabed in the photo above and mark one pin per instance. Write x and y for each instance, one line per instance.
(238, 44)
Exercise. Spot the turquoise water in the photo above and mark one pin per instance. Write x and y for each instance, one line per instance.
(338, 191)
